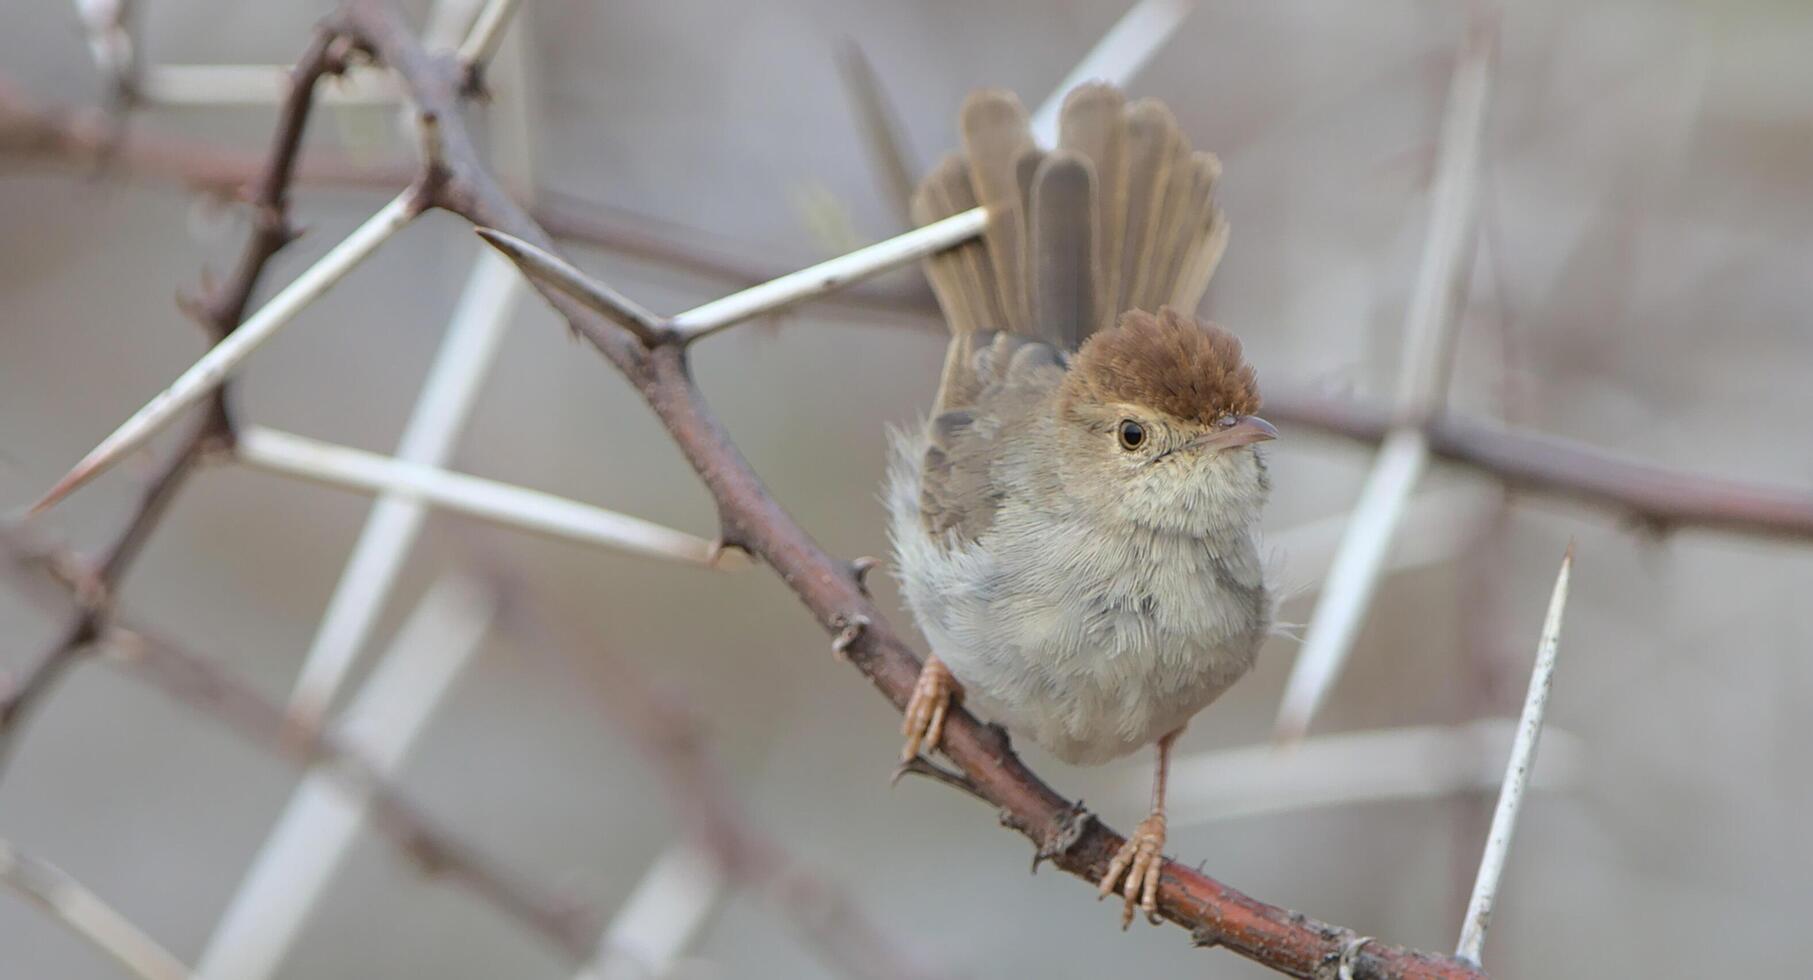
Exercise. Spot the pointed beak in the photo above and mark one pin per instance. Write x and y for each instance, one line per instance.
(1245, 431)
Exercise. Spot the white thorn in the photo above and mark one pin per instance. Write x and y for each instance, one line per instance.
(1116, 58)
(1517, 774)
(503, 503)
(829, 275)
(211, 371)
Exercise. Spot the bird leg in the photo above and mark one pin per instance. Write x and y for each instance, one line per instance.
(1142, 857)
(925, 711)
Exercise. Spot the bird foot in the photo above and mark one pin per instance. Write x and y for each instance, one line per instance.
(1142, 859)
(923, 725)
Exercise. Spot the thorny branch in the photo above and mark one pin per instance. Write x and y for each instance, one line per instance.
(219, 311)
(753, 520)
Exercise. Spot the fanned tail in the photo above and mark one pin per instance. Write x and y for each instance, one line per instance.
(1119, 216)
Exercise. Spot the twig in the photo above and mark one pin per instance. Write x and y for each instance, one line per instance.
(1517, 774)
(1655, 497)
(751, 518)
(298, 860)
(1429, 331)
(51, 889)
(503, 503)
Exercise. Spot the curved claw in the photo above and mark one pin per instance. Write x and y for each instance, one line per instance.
(923, 724)
(1141, 859)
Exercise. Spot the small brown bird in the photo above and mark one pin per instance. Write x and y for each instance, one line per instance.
(1075, 527)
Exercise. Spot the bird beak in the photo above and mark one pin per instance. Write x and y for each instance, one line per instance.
(1245, 431)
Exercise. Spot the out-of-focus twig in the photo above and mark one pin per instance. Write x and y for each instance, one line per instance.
(219, 697)
(881, 130)
(828, 918)
(319, 824)
(1517, 774)
(1656, 498)
(1429, 330)
(83, 912)
(660, 918)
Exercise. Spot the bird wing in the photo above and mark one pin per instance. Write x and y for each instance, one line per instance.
(959, 492)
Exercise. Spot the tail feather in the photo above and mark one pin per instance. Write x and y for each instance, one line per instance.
(996, 132)
(1063, 249)
(1093, 124)
(1120, 216)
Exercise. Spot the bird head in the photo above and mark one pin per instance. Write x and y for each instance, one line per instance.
(1157, 420)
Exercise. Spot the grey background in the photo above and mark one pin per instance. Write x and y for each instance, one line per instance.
(1641, 286)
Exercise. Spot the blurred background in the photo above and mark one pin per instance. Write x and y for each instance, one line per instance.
(1639, 284)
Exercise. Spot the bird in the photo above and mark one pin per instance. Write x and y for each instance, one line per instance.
(1075, 526)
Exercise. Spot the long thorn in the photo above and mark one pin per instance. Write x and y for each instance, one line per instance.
(543, 266)
(1517, 774)
(208, 373)
(503, 503)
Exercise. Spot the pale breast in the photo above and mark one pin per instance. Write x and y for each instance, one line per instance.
(1092, 641)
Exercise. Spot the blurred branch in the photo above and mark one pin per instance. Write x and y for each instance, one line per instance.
(831, 589)
(672, 739)
(217, 695)
(1430, 326)
(298, 861)
(1653, 497)
(87, 916)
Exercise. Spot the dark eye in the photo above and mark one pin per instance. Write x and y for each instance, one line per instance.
(1225, 422)
(1132, 434)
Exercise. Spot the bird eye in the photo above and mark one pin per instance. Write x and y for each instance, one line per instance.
(1132, 434)
(1225, 422)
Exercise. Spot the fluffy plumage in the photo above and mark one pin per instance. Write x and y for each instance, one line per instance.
(1088, 593)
